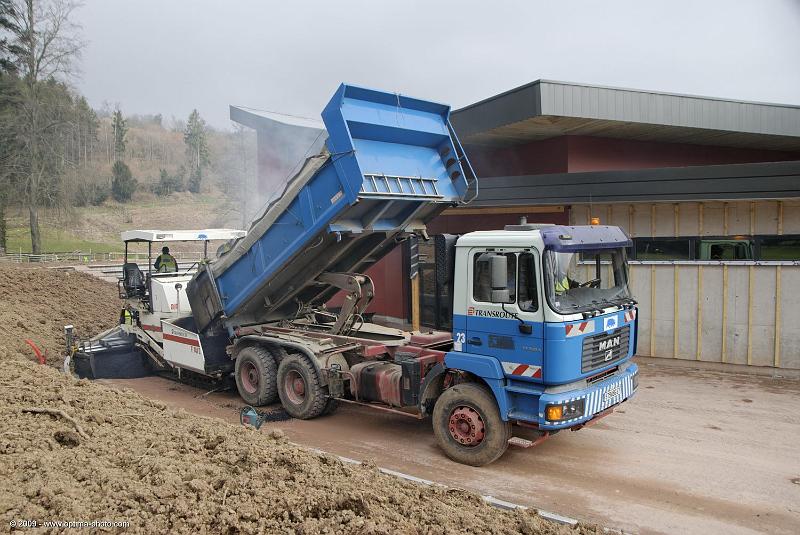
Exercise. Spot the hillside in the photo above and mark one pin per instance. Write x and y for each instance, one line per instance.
(97, 228)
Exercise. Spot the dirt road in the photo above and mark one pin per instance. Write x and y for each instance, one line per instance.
(695, 451)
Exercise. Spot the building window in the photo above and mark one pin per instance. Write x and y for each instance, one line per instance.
(662, 248)
(723, 249)
(779, 248)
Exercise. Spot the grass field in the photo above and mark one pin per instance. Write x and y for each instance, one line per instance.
(56, 240)
(97, 228)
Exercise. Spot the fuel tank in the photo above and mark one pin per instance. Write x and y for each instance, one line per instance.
(377, 381)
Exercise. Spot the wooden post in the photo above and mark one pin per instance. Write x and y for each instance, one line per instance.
(724, 327)
(414, 276)
(750, 315)
(777, 355)
(415, 310)
(699, 312)
(652, 310)
(675, 312)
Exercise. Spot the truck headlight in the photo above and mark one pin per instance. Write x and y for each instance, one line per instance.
(565, 411)
(635, 380)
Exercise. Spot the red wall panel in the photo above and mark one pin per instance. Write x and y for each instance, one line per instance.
(539, 157)
(390, 286)
(574, 154)
(605, 154)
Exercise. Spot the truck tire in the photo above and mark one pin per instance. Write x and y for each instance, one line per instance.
(468, 426)
(278, 353)
(299, 388)
(256, 373)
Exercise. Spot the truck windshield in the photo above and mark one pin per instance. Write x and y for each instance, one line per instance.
(586, 280)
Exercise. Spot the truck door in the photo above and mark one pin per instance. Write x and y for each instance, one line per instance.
(493, 329)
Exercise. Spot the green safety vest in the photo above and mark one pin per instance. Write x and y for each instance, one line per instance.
(562, 286)
(166, 263)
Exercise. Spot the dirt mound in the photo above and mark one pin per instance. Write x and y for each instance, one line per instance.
(73, 450)
(36, 302)
(113, 455)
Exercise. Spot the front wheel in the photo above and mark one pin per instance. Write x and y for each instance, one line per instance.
(468, 426)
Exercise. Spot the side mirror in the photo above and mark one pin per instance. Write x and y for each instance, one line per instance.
(498, 270)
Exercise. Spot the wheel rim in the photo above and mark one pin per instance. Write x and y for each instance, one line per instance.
(466, 426)
(295, 387)
(249, 375)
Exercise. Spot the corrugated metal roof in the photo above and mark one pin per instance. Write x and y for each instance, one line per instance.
(544, 109)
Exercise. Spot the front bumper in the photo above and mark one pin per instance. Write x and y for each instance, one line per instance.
(597, 398)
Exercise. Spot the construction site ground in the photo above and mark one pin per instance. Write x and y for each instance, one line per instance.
(695, 451)
(76, 451)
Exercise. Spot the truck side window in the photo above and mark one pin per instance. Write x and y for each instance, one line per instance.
(481, 277)
(528, 299)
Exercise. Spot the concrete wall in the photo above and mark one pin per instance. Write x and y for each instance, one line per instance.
(734, 312)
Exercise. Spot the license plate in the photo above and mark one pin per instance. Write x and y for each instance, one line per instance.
(612, 393)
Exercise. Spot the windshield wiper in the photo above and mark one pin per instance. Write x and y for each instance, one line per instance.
(625, 301)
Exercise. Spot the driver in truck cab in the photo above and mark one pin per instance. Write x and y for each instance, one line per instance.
(166, 263)
(562, 281)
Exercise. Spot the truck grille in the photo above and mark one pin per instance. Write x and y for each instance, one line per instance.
(604, 348)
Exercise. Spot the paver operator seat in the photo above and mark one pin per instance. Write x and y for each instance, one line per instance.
(133, 280)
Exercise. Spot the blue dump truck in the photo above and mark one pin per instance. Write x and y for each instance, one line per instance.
(544, 324)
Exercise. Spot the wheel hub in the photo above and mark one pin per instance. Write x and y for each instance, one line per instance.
(466, 426)
(249, 376)
(295, 387)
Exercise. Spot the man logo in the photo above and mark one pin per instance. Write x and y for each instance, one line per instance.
(609, 344)
(609, 323)
(609, 355)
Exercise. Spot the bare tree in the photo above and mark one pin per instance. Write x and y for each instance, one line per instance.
(46, 46)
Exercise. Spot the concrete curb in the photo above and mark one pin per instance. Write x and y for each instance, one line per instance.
(491, 500)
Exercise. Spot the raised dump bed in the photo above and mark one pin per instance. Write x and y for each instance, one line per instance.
(390, 165)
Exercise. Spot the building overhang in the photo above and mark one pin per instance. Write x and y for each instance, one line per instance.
(545, 109)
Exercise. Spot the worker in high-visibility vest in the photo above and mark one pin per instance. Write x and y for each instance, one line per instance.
(166, 263)
(562, 285)
(562, 281)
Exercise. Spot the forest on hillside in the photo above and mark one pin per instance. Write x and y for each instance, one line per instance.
(57, 152)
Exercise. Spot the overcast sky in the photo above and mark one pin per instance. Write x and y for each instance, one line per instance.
(169, 56)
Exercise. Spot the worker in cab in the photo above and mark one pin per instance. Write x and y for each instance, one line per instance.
(166, 263)
(565, 264)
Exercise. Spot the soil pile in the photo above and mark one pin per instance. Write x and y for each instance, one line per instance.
(36, 303)
(73, 450)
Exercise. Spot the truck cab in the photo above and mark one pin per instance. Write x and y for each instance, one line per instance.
(544, 315)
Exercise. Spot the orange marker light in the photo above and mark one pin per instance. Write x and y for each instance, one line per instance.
(554, 412)
(595, 221)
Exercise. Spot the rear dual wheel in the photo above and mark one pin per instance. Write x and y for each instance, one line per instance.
(468, 426)
(300, 389)
(256, 373)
